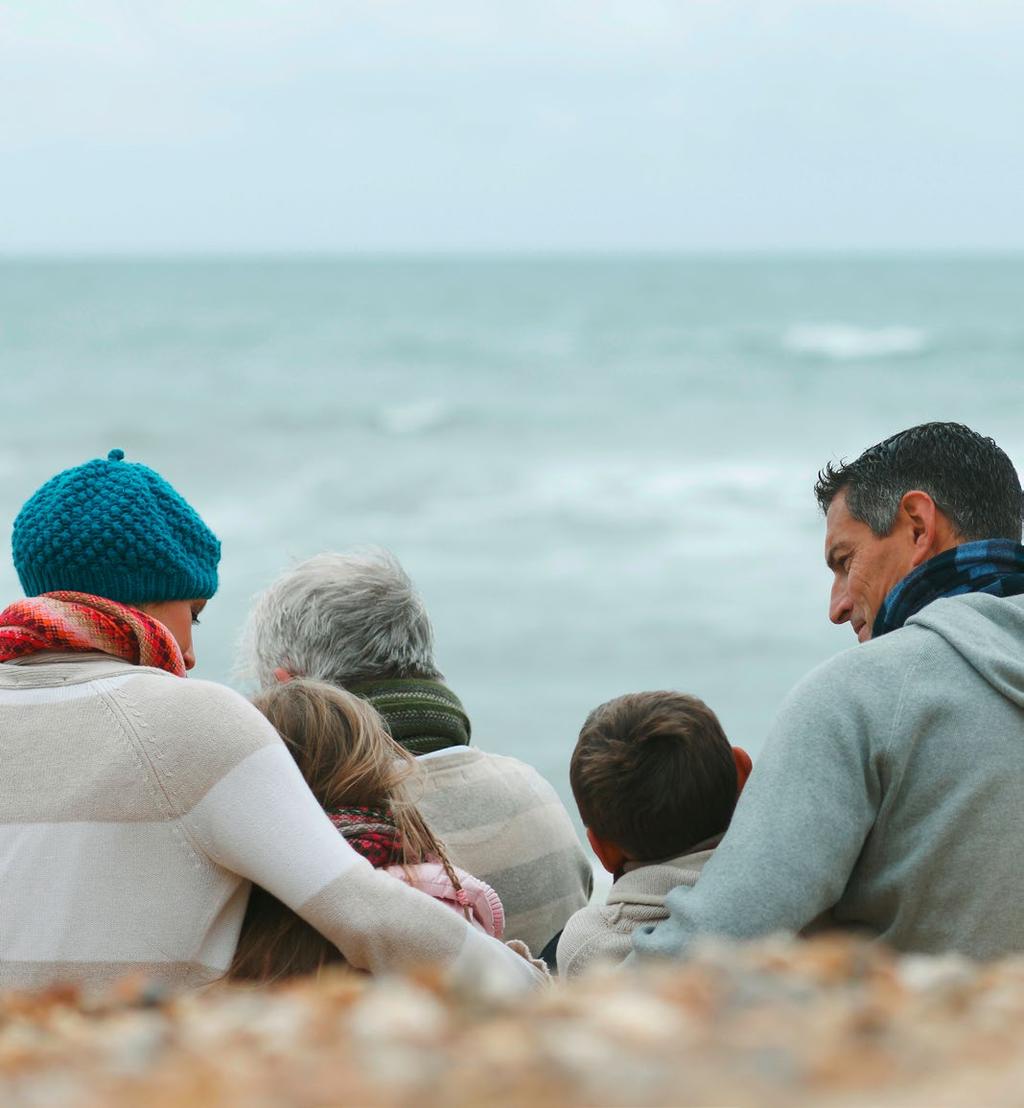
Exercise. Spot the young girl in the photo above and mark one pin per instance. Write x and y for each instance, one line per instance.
(359, 775)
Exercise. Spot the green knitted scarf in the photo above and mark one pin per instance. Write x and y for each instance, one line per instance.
(421, 715)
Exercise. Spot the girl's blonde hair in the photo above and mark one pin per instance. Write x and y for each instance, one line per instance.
(348, 759)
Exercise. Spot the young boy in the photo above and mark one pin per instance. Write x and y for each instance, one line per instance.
(656, 782)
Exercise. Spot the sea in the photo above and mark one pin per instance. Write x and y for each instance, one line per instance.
(597, 470)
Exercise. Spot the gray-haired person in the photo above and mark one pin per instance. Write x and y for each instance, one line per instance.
(889, 789)
(356, 621)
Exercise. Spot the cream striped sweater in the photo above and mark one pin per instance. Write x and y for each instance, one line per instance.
(504, 823)
(136, 808)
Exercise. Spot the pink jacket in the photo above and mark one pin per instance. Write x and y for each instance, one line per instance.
(482, 902)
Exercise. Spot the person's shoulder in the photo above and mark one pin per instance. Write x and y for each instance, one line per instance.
(650, 884)
(865, 657)
(482, 768)
(190, 695)
(435, 880)
(513, 769)
(853, 696)
(595, 934)
(187, 719)
(876, 669)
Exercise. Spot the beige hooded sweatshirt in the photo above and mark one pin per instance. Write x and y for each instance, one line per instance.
(603, 933)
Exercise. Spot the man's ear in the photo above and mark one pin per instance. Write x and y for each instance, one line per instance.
(743, 767)
(612, 857)
(928, 528)
(282, 676)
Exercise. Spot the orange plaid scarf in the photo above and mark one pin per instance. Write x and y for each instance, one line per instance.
(78, 622)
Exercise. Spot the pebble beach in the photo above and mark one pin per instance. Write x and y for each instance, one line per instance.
(833, 1021)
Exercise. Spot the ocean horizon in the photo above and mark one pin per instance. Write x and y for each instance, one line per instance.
(596, 467)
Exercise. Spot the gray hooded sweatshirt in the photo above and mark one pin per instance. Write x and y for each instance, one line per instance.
(890, 790)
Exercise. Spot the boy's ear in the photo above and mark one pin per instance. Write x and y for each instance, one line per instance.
(743, 767)
(612, 857)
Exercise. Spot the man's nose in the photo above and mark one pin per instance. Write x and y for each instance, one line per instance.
(189, 658)
(839, 604)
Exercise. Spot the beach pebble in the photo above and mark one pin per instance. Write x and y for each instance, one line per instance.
(829, 1022)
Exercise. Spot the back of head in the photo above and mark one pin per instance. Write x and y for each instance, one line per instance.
(114, 529)
(338, 742)
(972, 481)
(341, 618)
(654, 773)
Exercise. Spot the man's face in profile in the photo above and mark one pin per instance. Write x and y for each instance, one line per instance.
(864, 567)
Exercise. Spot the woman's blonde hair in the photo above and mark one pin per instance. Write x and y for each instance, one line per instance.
(348, 759)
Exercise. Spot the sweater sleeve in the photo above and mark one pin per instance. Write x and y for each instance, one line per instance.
(800, 824)
(259, 819)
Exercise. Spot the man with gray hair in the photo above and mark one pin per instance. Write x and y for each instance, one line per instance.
(356, 621)
(889, 790)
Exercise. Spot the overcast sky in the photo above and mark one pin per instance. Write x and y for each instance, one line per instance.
(297, 125)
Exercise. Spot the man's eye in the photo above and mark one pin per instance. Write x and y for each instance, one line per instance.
(195, 620)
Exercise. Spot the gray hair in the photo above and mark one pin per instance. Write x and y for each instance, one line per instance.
(341, 618)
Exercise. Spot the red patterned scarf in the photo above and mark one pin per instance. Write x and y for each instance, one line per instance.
(371, 832)
(78, 622)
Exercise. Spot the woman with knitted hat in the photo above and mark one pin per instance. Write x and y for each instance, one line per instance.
(136, 807)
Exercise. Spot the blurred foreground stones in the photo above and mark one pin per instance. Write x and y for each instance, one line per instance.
(833, 1021)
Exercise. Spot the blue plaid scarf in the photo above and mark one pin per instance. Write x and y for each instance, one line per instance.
(995, 566)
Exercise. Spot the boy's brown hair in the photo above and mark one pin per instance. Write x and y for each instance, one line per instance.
(654, 774)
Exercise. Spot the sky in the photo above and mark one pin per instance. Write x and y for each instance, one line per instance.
(138, 126)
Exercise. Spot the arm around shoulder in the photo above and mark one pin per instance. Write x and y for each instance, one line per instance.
(257, 818)
(802, 819)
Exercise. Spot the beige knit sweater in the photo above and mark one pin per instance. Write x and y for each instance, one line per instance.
(135, 809)
(504, 823)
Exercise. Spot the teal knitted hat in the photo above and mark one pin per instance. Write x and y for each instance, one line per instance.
(115, 529)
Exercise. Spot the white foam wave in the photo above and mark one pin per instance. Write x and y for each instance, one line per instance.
(635, 490)
(411, 419)
(711, 499)
(845, 342)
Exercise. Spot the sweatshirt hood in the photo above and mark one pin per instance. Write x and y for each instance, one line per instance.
(987, 632)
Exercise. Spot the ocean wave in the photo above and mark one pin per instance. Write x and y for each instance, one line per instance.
(845, 342)
(414, 418)
(641, 489)
(711, 498)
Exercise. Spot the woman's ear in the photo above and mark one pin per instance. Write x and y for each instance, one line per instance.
(282, 676)
(743, 767)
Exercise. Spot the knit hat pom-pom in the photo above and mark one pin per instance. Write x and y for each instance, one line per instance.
(116, 455)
